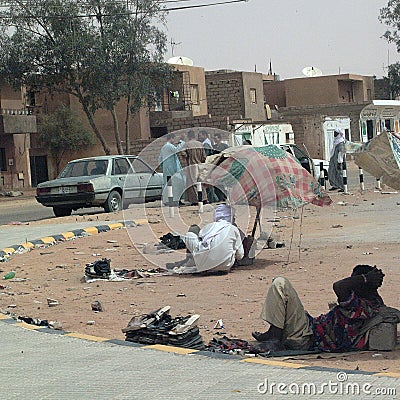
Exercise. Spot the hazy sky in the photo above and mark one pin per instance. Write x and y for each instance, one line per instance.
(338, 35)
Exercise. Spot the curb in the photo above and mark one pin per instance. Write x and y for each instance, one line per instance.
(185, 351)
(7, 252)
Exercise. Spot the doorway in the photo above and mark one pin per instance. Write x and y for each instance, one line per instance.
(370, 129)
(39, 171)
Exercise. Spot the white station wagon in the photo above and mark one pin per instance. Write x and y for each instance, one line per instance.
(111, 182)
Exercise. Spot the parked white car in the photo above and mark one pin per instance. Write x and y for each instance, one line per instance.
(111, 182)
(312, 165)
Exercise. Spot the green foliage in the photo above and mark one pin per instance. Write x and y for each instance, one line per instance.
(63, 131)
(390, 16)
(394, 79)
(97, 50)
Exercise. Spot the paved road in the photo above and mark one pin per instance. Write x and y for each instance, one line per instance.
(30, 210)
(39, 365)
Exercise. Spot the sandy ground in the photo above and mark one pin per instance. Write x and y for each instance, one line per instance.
(322, 246)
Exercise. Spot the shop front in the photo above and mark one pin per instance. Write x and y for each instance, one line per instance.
(379, 116)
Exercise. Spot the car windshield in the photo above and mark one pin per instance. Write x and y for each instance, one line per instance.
(84, 168)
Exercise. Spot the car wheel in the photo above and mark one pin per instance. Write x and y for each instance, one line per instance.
(113, 202)
(62, 212)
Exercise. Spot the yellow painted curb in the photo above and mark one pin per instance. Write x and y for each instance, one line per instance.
(92, 230)
(3, 316)
(29, 326)
(87, 337)
(116, 225)
(28, 245)
(9, 250)
(48, 239)
(390, 374)
(273, 363)
(170, 349)
(68, 235)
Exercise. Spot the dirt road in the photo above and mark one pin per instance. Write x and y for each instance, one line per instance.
(322, 246)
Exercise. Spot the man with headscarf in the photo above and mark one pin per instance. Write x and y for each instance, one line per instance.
(216, 246)
(171, 167)
(338, 158)
(345, 327)
(193, 154)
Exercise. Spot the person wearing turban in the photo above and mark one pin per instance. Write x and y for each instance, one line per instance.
(338, 158)
(214, 247)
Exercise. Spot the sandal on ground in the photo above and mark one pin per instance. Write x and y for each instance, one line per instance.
(260, 336)
(185, 327)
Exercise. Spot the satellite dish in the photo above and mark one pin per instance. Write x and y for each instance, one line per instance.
(180, 61)
(311, 71)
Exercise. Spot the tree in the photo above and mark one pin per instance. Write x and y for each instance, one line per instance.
(63, 131)
(390, 16)
(394, 80)
(100, 51)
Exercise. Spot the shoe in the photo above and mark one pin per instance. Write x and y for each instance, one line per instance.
(185, 327)
(259, 336)
(144, 321)
(341, 190)
(332, 188)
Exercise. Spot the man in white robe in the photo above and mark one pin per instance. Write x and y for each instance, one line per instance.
(217, 245)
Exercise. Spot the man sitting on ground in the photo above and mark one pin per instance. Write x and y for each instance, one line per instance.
(215, 247)
(339, 330)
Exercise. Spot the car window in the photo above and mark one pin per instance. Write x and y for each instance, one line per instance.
(120, 166)
(298, 153)
(97, 167)
(79, 168)
(139, 166)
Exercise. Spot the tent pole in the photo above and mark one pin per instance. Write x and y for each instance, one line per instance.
(257, 220)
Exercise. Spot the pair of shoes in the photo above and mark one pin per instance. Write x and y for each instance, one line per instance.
(144, 321)
(186, 326)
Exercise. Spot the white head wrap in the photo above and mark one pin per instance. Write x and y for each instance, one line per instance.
(223, 217)
(339, 138)
(223, 212)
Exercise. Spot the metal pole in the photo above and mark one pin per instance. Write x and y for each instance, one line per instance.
(322, 175)
(361, 174)
(200, 197)
(346, 191)
(170, 197)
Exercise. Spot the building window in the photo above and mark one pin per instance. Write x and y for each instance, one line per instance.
(194, 94)
(3, 165)
(253, 96)
(31, 98)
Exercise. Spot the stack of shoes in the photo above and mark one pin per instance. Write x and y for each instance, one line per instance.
(186, 333)
(158, 327)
